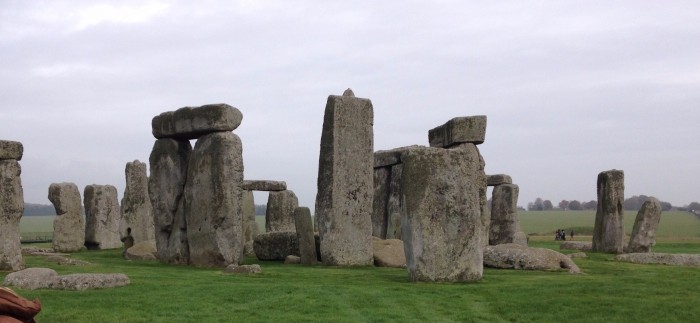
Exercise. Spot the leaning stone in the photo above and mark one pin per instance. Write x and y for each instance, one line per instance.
(102, 217)
(276, 245)
(11, 210)
(269, 186)
(305, 235)
(243, 269)
(90, 281)
(686, 260)
(11, 150)
(504, 214)
(513, 256)
(193, 122)
(459, 130)
(442, 229)
(345, 182)
(68, 225)
(609, 230)
(578, 255)
(389, 253)
(292, 260)
(214, 201)
(137, 213)
(576, 245)
(499, 179)
(279, 215)
(166, 185)
(31, 278)
(644, 230)
(144, 250)
(387, 158)
(250, 227)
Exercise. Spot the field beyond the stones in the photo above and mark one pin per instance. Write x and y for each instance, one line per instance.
(608, 291)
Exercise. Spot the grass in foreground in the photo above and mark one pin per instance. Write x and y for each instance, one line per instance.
(609, 291)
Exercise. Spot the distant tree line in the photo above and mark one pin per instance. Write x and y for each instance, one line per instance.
(38, 209)
(260, 209)
(633, 203)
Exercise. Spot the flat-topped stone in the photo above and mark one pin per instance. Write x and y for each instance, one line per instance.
(11, 150)
(498, 179)
(264, 185)
(386, 158)
(686, 260)
(459, 130)
(192, 122)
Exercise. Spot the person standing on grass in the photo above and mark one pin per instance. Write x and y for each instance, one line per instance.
(572, 234)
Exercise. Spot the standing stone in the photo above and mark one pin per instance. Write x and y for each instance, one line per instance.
(279, 215)
(381, 182)
(11, 210)
(644, 230)
(137, 212)
(305, 234)
(250, 227)
(69, 225)
(476, 171)
(345, 182)
(102, 217)
(213, 201)
(441, 227)
(609, 230)
(166, 186)
(504, 215)
(393, 207)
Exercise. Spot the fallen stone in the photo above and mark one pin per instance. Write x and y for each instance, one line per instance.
(292, 260)
(61, 260)
(260, 185)
(576, 245)
(578, 255)
(498, 179)
(144, 250)
(685, 260)
(644, 231)
(11, 210)
(243, 269)
(193, 122)
(11, 150)
(137, 213)
(68, 225)
(459, 130)
(31, 278)
(90, 281)
(102, 217)
(609, 230)
(389, 253)
(276, 245)
(514, 256)
(279, 214)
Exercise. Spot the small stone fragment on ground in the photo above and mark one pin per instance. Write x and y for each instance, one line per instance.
(243, 269)
(389, 253)
(292, 260)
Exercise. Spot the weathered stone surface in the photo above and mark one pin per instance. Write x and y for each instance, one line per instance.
(382, 179)
(514, 256)
(276, 245)
(609, 230)
(193, 122)
(388, 253)
(576, 245)
(144, 250)
(387, 158)
(31, 278)
(578, 255)
(279, 215)
(35, 250)
(345, 182)
(686, 260)
(102, 217)
(459, 130)
(11, 150)
(292, 260)
(504, 214)
(90, 281)
(62, 260)
(478, 176)
(520, 238)
(393, 205)
(166, 185)
(69, 225)
(644, 230)
(250, 227)
(243, 269)
(260, 185)
(137, 213)
(213, 201)
(11, 210)
(442, 229)
(498, 179)
(305, 235)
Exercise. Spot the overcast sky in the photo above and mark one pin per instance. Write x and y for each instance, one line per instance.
(570, 88)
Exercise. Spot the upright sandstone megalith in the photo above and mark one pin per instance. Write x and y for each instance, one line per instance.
(305, 235)
(69, 224)
(250, 227)
(345, 181)
(137, 213)
(645, 225)
(213, 201)
(102, 216)
(166, 187)
(504, 214)
(609, 230)
(11, 205)
(442, 228)
(279, 215)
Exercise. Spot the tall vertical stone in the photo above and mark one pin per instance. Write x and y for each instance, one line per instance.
(478, 176)
(69, 225)
(102, 217)
(279, 215)
(442, 228)
(305, 235)
(345, 181)
(609, 230)
(213, 201)
(393, 207)
(645, 225)
(250, 227)
(166, 186)
(137, 213)
(11, 205)
(504, 214)
(382, 177)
